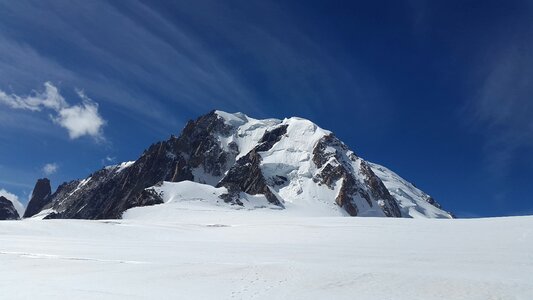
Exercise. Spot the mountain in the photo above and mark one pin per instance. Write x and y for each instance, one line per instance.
(8, 210)
(289, 164)
(40, 197)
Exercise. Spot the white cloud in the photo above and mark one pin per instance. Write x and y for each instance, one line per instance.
(79, 120)
(50, 168)
(50, 98)
(8, 195)
(14, 199)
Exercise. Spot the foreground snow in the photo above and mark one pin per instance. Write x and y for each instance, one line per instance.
(202, 251)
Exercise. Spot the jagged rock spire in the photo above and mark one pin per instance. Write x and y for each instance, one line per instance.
(40, 197)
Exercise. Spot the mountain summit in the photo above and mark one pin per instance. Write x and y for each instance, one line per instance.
(238, 161)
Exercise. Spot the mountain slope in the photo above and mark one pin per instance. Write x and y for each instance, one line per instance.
(413, 202)
(283, 163)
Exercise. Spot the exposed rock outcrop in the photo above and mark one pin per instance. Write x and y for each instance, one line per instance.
(7, 210)
(40, 197)
(112, 190)
(246, 175)
(336, 163)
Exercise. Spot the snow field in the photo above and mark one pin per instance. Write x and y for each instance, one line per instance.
(197, 250)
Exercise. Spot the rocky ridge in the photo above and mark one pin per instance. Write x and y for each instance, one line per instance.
(7, 210)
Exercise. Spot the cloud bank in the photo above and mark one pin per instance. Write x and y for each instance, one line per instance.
(79, 120)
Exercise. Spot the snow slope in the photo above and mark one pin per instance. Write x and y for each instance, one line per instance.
(205, 251)
(187, 195)
(413, 202)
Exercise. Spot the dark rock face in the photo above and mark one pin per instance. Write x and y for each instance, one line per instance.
(335, 167)
(378, 190)
(111, 191)
(198, 141)
(270, 138)
(7, 210)
(333, 171)
(246, 175)
(40, 197)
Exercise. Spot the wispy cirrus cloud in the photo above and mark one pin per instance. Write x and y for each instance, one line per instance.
(503, 106)
(147, 64)
(137, 62)
(79, 119)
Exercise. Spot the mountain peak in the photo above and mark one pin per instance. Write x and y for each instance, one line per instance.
(233, 119)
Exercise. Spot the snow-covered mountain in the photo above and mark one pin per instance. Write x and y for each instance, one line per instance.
(234, 160)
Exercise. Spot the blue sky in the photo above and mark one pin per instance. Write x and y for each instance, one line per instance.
(438, 91)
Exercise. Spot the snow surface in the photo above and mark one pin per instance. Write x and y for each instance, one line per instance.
(43, 213)
(121, 167)
(81, 185)
(184, 194)
(248, 131)
(233, 119)
(204, 251)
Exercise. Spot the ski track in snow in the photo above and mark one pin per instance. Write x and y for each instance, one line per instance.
(161, 252)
